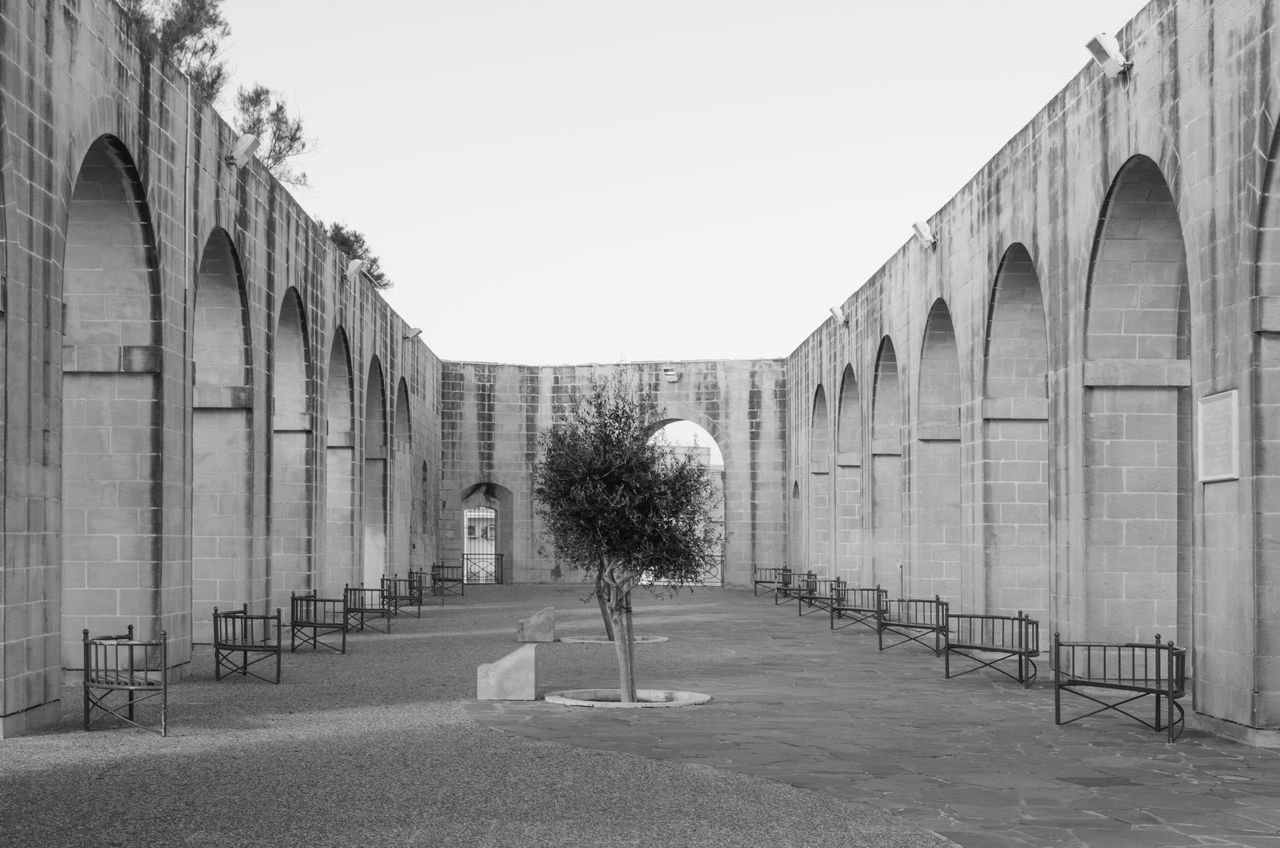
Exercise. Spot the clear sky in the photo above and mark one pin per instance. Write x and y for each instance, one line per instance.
(573, 181)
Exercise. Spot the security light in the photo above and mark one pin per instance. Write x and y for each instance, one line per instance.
(925, 234)
(1106, 52)
(671, 375)
(413, 334)
(840, 317)
(244, 148)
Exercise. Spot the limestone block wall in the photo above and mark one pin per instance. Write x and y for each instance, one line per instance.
(200, 408)
(491, 416)
(1064, 404)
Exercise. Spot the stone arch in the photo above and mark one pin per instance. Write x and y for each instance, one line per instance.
(819, 525)
(935, 567)
(1136, 468)
(375, 476)
(222, 524)
(488, 561)
(401, 514)
(340, 469)
(886, 470)
(1015, 413)
(711, 455)
(112, 444)
(290, 516)
(848, 482)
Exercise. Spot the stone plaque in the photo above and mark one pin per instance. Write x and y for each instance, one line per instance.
(1218, 437)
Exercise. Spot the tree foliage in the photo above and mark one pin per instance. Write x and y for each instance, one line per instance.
(263, 113)
(186, 33)
(620, 504)
(352, 242)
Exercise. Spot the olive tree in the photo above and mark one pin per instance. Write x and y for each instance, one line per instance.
(623, 506)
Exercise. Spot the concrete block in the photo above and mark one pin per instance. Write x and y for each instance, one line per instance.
(539, 627)
(512, 678)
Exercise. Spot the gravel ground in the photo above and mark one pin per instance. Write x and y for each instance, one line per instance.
(374, 747)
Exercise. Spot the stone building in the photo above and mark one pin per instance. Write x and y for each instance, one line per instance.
(1061, 404)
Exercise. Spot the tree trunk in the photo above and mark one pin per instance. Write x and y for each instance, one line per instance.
(602, 589)
(620, 612)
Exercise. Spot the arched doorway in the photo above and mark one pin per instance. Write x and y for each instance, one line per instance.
(112, 451)
(222, 531)
(687, 437)
(487, 512)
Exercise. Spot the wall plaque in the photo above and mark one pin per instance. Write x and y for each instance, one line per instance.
(1218, 437)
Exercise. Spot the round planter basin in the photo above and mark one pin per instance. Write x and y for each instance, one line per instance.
(608, 698)
(600, 640)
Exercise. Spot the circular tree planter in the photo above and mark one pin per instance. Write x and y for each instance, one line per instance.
(600, 640)
(608, 698)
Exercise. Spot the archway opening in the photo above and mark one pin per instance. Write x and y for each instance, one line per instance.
(401, 482)
(487, 523)
(375, 477)
(685, 437)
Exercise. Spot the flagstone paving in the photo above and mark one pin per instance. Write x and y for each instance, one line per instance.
(977, 759)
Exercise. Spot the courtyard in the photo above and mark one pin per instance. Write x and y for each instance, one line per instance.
(811, 738)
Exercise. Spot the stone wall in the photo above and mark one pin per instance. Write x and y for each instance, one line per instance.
(1030, 387)
(491, 416)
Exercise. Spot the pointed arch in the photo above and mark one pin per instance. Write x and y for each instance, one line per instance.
(848, 482)
(935, 566)
(222, 523)
(886, 468)
(1015, 452)
(112, 444)
(290, 516)
(341, 501)
(819, 524)
(1136, 475)
(401, 513)
(375, 476)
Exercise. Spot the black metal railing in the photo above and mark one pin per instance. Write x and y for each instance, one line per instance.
(482, 568)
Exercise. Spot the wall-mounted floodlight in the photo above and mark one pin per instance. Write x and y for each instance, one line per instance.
(354, 267)
(413, 334)
(244, 148)
(840, 317)
(671, 375)
(1106, 52)
(925, 234)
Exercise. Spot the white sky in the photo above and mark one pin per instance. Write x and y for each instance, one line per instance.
(572, 181)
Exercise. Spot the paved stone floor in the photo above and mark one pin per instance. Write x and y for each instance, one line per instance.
(977, 759)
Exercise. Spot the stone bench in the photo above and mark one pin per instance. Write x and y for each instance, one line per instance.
(1134, 670)
(989, 640)
(512, 678)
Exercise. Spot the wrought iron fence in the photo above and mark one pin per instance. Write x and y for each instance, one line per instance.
(482, 568)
